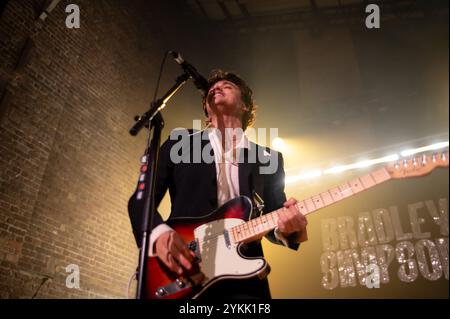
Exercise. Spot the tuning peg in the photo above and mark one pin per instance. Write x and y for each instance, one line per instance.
(444, 156)
(433, 157)
(424, 160)
(405, 163)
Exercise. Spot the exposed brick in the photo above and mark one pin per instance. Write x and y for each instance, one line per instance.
(66, 160)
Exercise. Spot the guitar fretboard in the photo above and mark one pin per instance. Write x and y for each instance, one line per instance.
(258, 227)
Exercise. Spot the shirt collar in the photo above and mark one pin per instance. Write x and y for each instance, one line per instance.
(214, 134)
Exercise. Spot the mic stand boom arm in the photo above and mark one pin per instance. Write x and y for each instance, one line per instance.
(152, 119)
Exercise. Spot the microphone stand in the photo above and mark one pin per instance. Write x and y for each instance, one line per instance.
(153, 120)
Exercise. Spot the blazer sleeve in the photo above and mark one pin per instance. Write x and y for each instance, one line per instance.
(274, 198)
(163, 180)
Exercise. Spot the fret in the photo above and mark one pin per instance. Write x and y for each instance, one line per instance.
(254, 229)
(247, 229)
(243, 231)
(302, 207)
(276, 215)
(356, 186)
(380, 175)
(238, 232)
(255, 226)
(367, 181)
(326, 197)
(274, 220)
(268, 224)
(318, 201)
(346, 190)
(233, 235)
(262, 226)
(310, 205)
(252, 226)
(265, 222)
(336, 194)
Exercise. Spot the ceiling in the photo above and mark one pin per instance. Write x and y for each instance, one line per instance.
(299, 12)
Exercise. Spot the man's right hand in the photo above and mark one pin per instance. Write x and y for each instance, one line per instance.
(173, 252)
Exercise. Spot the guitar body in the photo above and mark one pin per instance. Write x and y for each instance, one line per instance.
(219, 258)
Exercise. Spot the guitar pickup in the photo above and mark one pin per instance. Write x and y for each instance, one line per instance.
(194, 246)
(226, 236)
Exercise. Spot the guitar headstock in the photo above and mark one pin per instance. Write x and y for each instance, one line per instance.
(418, 165)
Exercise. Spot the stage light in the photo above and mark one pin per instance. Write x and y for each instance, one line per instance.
(361, 164)
(336, 169)
(431, 147)
(303, 176)
(278, 144)
(389, 158)
(365, 163)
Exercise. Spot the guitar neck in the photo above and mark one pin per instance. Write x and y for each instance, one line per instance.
(258, 227)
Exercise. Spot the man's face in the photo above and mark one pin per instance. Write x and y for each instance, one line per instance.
(224, 97)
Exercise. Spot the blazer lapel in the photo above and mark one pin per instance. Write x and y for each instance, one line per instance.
(211, 172)
(245, 170)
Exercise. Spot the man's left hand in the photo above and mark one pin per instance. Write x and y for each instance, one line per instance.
(291, 221)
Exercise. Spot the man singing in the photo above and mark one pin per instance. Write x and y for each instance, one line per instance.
(197, 189)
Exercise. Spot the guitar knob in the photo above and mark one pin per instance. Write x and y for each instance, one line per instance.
(180, 283)
(160, 292)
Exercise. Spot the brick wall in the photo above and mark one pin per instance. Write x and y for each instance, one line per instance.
(68, 165)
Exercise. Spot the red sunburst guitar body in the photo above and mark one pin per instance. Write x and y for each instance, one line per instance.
(212, 239)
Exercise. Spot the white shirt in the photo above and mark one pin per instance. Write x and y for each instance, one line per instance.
(232, 174)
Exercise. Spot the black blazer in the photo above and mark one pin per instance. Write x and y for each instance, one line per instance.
(193, 192)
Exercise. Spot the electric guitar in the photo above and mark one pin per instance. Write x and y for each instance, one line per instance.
(216, 238)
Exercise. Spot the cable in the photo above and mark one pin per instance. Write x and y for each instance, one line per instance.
(127, 292)
(160, 73)
(44, 280)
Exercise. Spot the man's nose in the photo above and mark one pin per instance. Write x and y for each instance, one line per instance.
(213, 91)
(217, 88)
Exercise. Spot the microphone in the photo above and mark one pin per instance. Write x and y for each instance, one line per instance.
(200, 82)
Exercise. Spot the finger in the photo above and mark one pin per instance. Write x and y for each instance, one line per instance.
(294, 220)
(176, 244)
(181, 252)
(182, 247)
(302, 219)
(174, 252)
(183, 261)
(172, 264)
(284, 222)
(298, 220)
(291, 201)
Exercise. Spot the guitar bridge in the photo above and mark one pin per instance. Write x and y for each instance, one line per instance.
(180, 285)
